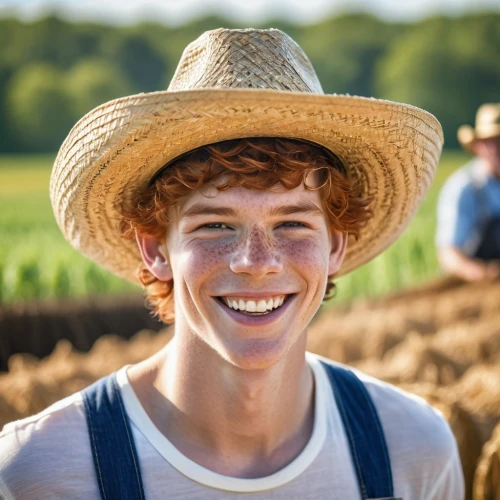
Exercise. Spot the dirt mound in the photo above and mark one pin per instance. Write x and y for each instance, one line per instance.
(487, 479)
(36, 327)
(33, 384)
(370, 328)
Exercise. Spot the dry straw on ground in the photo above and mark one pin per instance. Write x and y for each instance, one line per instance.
(487, 479)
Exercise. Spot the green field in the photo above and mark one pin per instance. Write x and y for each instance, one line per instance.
(36, 262)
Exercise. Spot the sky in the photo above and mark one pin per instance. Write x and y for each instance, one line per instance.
(177, 12)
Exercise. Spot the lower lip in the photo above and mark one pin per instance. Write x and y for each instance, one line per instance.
(263, 320)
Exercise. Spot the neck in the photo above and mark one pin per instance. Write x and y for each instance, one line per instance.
(244, 423)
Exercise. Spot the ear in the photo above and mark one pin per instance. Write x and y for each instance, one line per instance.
(153, 257)
(337, 251)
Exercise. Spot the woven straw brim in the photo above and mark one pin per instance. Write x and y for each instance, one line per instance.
(114, 151)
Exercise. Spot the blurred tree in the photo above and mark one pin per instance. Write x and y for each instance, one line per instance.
(87, 40)
(38, 108)
(139, 60)
(344, 51)
(7, 138)
(446, 66)
(48, 40)
(92, 82)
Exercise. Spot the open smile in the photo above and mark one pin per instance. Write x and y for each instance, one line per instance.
(256, 312)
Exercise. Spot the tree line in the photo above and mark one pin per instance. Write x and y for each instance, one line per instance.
(52, 71)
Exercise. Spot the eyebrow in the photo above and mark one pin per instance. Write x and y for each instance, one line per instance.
(203, 209)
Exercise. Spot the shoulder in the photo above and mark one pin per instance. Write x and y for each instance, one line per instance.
(411, 425)
(48, 452)
(460, 184)
(422, 448)
(419, 439)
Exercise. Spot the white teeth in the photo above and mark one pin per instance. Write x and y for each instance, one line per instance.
(260, 306)
(251, 306)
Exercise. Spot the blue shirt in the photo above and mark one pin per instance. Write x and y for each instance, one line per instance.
(469, 198)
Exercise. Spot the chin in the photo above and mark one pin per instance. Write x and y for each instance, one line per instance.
(255, 354)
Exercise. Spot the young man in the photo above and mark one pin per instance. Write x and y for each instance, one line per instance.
(468, 234)
(231, 197)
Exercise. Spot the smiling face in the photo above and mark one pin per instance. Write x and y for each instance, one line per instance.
(241, 240)
(236, 255)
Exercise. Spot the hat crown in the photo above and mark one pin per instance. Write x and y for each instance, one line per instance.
(488, 115)
(246, 58)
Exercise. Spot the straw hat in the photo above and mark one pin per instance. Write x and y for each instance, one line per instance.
(487, 125)
(232, 84)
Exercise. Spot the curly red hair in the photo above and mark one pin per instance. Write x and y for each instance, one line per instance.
(254, 163)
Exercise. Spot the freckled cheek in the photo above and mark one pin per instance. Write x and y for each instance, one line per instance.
(306, 254)
(203, 258)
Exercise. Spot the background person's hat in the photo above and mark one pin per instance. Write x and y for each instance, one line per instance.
(232, 84)
(487, 126)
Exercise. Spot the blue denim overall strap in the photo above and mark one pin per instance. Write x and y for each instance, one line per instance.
(115, 458)
(364, 434)
(489, 246)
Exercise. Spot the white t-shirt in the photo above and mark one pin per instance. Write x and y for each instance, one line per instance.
(48, 455)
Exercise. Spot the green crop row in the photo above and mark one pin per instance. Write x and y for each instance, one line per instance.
(36, 262)
(43, 267)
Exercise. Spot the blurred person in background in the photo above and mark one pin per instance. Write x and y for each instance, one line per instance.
(468, 232)
(231, 198)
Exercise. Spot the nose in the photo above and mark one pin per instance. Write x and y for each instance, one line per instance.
(256, 254)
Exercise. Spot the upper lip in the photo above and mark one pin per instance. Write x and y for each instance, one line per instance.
(255, 295)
